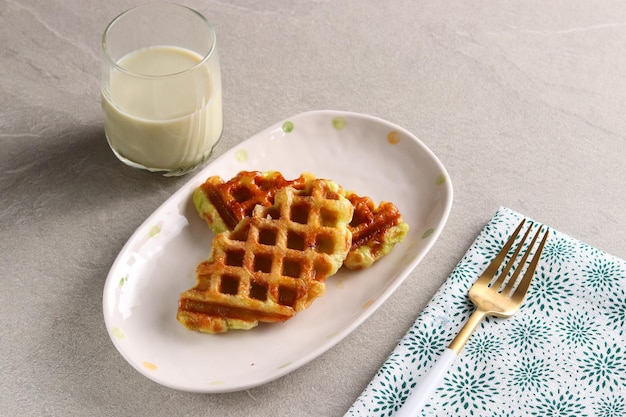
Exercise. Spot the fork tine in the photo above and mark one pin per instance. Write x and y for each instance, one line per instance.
(500, 281)
(495, 264)
(511, 282)
(522, 288)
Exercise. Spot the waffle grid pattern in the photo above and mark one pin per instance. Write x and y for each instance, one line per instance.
(274, 263)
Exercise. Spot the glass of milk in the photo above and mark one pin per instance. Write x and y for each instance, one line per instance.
(161, 88)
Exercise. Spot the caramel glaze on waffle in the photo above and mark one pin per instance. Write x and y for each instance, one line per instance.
(224, 204)
(274, 263)
(376, 229)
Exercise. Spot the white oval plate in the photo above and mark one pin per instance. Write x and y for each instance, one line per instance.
(362, 153)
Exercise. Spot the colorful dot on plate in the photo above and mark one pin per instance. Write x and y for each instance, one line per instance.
(154, 230)
(287, 126)
(123, 280)
(441, 180)
(118, 333)
(284, 365)
(149, 365)
(339, 123)
(339, 283)
(428, 233)
(393, 137)
(216, 383)
(367, 304)
(241, 155)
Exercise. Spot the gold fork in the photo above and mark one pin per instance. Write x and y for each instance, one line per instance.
(500, 297)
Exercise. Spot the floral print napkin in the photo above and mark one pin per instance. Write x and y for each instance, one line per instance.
(563, 354)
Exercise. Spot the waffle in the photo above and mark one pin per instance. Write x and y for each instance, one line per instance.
(223, 204)
(375, 231)
(274, 263)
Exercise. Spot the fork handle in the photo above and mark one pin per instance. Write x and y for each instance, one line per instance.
(427, 385)
(429, 382)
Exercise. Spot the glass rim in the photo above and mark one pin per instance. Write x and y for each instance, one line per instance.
(203, 61)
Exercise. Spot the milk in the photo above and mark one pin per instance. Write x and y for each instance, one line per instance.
(169, 117)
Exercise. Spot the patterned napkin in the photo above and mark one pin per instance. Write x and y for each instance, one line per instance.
(563, 354)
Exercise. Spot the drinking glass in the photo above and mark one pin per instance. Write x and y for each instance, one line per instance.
(161, 88)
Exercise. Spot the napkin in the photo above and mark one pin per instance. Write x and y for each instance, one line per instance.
(563, 353)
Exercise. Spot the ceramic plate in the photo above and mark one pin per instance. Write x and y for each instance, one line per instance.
(362, 153)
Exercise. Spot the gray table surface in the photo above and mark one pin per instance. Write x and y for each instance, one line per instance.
(523, 102)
